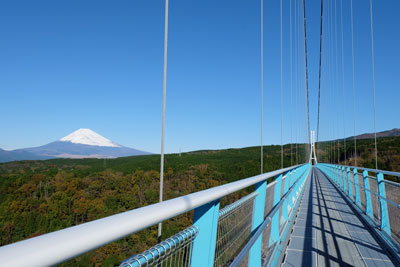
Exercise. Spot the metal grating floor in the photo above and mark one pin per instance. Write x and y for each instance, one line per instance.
(327, 232)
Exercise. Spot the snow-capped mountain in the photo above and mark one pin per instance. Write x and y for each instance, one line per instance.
(88, 137)
(83, 143)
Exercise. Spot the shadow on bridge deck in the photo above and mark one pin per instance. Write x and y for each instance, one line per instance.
(327, 232)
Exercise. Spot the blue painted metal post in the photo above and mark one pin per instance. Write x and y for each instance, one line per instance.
(339, 176)
(355, 175)
(368, 203)
(345, 182)
(295, 175)
(385, 224)
(206, 219)
(258, 219)
(349, 180)
(274, 237)
(336, 175)
(285, 189)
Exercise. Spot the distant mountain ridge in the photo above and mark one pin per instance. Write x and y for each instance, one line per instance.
(388, 133)
(83, 143)
(18, 155)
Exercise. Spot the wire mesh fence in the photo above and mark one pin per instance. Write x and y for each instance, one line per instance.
(373, 186)
(234, 229)
(393, 194)
(172, 252)
(281, 219)
(245, 261)
(361, 187)
(269, 199)
(266, 248)
(352, 185)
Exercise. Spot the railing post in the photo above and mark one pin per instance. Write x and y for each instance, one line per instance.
(345, 182)
(274, 237)
(385, 224)
(293, 179)
(206, 219)
(285, 189)
(349, 182)
(258, 219)
(296, 174)
(331, 171)
(368, 203)
(338, 177)
(335, 174)
(355, 175)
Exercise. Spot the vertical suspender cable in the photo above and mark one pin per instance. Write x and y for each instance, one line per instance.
(353, 82)
(373, 81)
(291, 88)
(296, 74)
(333, 143)
(336, 79)
(281, 90)
(344, 117)
(163, 112)
(262, 83)
(306, 70)
(319, 75)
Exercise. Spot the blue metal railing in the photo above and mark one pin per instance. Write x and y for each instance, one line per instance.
(174, 251)
(234, 243)
(278, 235)
(59, 246)
(372, 195)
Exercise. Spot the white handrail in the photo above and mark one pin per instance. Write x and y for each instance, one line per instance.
(59, 246)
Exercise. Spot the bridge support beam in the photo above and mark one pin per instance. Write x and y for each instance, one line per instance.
(206, 219)
(355, 175)
(385, 224)
(258, 219)
(368, 203)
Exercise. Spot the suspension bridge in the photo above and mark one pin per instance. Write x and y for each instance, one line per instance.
(316, 213)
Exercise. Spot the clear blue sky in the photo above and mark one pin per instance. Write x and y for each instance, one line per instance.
(66, 65)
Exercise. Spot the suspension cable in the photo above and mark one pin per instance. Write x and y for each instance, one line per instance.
(163, 113)
(319, 75)
(353, 81)
(291, 86)
(373, 81)
(336, 78)
(296, 75)
(344, 117)
(262, 83)
(306, 69)
(281, 88)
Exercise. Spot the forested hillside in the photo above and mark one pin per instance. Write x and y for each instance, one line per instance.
(38, 197)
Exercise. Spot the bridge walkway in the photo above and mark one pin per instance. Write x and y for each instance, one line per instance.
(327, 232)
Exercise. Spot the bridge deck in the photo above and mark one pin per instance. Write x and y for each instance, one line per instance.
(327, 232)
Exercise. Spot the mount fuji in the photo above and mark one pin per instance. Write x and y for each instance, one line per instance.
(83, 143)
